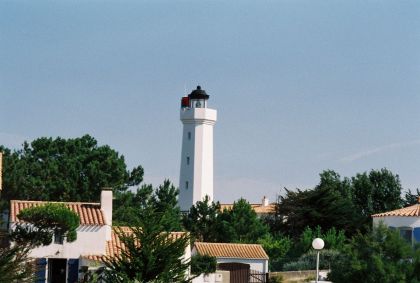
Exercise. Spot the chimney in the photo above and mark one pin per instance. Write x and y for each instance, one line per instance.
(1, 170)
(265, 201)
(106, 207)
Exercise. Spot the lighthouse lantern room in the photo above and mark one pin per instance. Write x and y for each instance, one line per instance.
(196, 174)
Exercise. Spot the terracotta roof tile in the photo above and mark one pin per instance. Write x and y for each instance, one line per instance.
(89, 213)
(410, 211)
(115, 246)
(227, 250)
(258, 207)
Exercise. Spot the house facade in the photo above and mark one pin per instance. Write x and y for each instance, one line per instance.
(240, 260)
(406, 220)
(60, 261)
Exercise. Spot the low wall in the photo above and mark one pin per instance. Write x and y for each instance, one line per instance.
(296, 276)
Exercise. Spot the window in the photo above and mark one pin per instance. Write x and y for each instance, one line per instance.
(186, 185)
(189, 135)
(58, 237)
(407, 234)
(188, 160)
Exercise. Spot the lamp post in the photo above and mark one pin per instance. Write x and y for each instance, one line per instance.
(317, 244)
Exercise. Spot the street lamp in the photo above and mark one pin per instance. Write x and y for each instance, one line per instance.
(317, 244)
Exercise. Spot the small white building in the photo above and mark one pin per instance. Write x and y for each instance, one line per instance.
(250, 260)
(62, 261)
(406, 220)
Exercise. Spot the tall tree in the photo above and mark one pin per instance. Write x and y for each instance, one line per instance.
(201, 221)
(150, 254)
(64, 170)
(129, 205)
(241, 224)
(322, 206)
(378, 191)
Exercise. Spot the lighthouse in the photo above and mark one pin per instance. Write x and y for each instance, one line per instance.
(196, 174)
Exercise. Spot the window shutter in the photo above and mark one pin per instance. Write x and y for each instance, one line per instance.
(416, 234)
(41, 264)
(73, 270)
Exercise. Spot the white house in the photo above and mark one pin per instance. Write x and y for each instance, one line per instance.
(61, 261)
(406, 220)
(249, 260)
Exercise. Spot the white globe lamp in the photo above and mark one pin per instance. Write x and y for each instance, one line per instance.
(317, 244)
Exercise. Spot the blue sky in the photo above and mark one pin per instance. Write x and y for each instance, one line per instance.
(300, 86)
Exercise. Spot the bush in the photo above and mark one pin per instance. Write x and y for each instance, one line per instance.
(278, 278)
(308, 261)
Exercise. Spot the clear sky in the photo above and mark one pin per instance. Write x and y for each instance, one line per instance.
(300, 86)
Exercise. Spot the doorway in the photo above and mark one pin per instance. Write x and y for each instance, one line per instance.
(57, 268)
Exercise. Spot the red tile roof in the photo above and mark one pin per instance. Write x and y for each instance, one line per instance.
(89, 213)
(410, 211)
(227, 250)
(115, 246)
(257, 207)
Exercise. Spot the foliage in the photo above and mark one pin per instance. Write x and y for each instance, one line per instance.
(41, 222)
(307, 261)
(241, 224)
(129, 206)
(379, 256)
(203, 264)
(346, 204)
(202, 222)
(64, 170)
(410, 198)
(277, 247)
(15, 267)
(278, 278)
(378, 191)
(151, 255)
(333, 239)
(322, 207)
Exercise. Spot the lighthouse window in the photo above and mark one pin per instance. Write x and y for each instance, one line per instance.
(186, 184)
(188, 160)
(189, 135)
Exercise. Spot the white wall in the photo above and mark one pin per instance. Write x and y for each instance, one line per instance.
(221, 276)
(398, 221)
(199, 172)
(91, 240)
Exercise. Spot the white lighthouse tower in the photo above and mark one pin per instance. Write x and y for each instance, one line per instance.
(196, 176)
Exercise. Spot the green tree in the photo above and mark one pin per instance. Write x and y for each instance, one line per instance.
(41, 223)
(129, 205)
(64, 170)
(203, 264)
(277, 247)
(411, 198)
(150, 255)
(15, 265)
(379, 256)
(322, 206)
(376, 192)
(241, 224)
(201, 221)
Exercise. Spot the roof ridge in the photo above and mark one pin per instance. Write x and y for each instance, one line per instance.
(48, 201)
